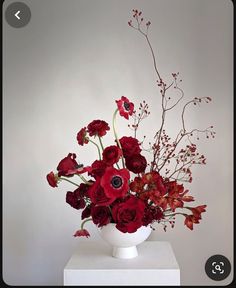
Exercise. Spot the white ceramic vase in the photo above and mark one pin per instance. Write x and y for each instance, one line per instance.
(124, 244)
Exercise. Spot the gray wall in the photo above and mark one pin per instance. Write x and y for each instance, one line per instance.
(66, 68)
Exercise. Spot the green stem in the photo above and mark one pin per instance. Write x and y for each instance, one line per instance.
(99, 153)
(83, 179)
(100, 141)
(62, 178)
(85, 221)
(115, 134)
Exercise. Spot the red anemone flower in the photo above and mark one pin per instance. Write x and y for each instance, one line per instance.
(126, 108)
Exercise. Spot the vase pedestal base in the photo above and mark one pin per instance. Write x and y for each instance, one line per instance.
(125, 252)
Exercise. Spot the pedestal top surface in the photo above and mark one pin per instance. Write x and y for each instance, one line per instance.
(98, 255)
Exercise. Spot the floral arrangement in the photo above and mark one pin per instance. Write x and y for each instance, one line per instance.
(121, 186)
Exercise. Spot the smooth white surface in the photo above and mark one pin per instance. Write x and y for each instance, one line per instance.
(124, 244)
(93, 264)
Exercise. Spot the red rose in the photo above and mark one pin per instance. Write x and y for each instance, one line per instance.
(97, 195)
(136, 163)
(128, 215)
(98, 128)
(100, 215)
(111, 155)
(125, 107)
(130, 146)
(115, 182)
(52, 179)
(74, 201)
(81, 137)
(98, 169)
(67, 164)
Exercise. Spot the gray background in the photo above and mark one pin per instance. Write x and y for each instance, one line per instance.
(66, 68)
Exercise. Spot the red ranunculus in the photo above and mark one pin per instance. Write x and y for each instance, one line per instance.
(74, 201)
(97, 195)
(115, 182)
(98, 169)
(126, 108)
(81, 137)
(98, 128)
(100, 215)
(52, 179)
(81, 233)
(67, 165)
(111, 155)
(136, 163)
(128, 215)
(130, 146)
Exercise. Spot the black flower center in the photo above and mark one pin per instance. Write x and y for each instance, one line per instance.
(116, 182)
(127, 106)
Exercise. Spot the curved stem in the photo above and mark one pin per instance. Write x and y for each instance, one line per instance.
(83, 179)
(62, 178)
(115, 134)
(99, 153)
(85, 221)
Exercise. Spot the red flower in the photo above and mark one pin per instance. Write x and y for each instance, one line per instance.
(86, 212)
(115, 182)
(97, 195)
(98, 169)
(81, 137)
(155, 182)
(128, 215)
(100, 215)
(98, 128)
(52, 179)
(82, 190)
(190, 220)
(136, 163)
(82, 232)
(125, 107)
(197, 211)
(111, 155)
(137, 185)
(151, 214)
(130, 146)
(74, 201)
(67, 164)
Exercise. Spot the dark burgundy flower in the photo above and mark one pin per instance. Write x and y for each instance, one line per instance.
(67, 165)
(81, 233)
(74, 201)
(86, 212)
(151, 214)
(136, 163)
(115, 182)
(128, 215)
(100, 215)
(81, 137)
(52, 179)
(130, 146)
(111, 155)
(98, 128)
(126, 108)
(82, 190)
(98, 169)
(97, 195)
